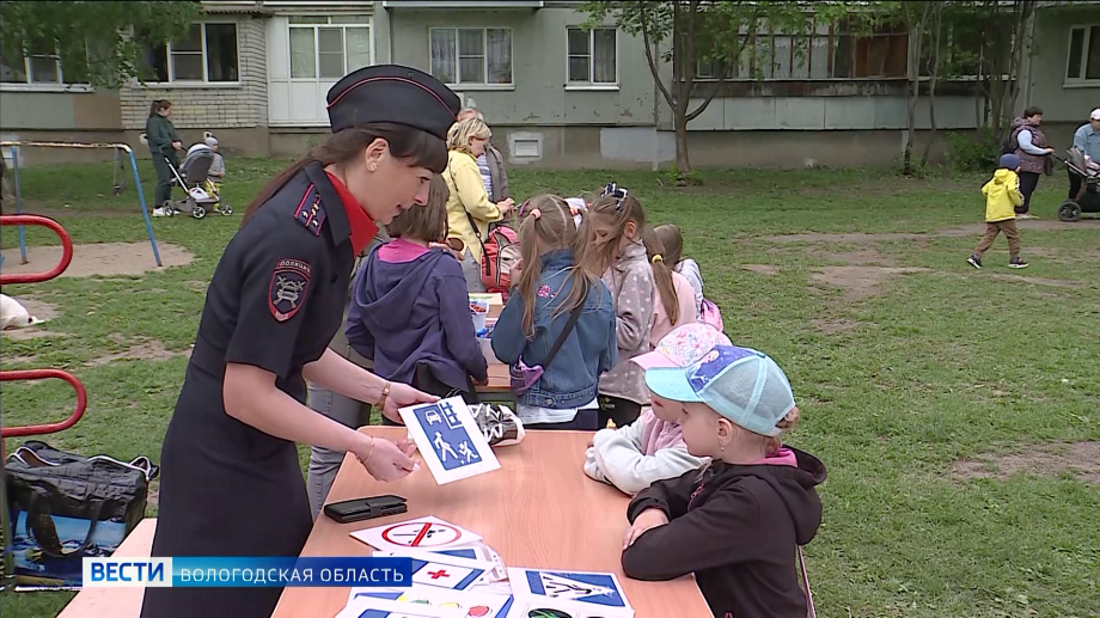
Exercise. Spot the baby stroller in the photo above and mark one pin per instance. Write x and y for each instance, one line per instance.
(1087, 199)
(201, 195)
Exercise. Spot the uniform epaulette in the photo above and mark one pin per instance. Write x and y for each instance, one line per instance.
(311, 212)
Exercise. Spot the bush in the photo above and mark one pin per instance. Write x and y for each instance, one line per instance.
(970, 152)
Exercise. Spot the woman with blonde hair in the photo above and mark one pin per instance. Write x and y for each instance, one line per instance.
(469, 211)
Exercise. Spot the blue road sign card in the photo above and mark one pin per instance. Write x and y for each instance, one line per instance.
(450, 440)
(587, 593)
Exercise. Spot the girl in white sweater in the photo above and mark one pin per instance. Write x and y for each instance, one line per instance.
(651, 448)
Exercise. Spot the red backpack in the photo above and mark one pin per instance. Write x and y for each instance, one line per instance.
(500, 251)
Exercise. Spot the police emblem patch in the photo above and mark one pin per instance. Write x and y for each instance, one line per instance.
(289, 284)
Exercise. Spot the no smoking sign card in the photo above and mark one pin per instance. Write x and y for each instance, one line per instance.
(424, 533)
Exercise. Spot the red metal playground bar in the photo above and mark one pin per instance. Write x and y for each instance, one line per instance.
(34, 374)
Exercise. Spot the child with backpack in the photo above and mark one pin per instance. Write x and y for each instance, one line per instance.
(409, 309)
(739, 522)
(673, 298)
(557, 332)
(673, 241)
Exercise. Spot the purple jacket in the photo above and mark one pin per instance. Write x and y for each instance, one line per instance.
(409, 305)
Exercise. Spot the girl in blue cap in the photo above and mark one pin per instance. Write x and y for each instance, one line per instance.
(737, 523)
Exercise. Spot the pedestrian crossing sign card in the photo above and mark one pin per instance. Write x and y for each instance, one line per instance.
(430, 533)
(596, 594)
(449, 440)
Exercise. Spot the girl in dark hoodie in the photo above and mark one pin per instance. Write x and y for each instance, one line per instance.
(409, 308)
(737, 523)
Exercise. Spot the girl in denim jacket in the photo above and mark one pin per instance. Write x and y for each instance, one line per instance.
(618, 253)
(550, 282)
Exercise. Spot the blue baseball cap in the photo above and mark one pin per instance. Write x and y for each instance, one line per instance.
(743, 385)
(1010, 161)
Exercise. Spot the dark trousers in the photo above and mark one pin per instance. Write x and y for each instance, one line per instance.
(164, 179)
(1028, 182)
(995, 228)
(1075, 184)
(425, 380)
(622, 411)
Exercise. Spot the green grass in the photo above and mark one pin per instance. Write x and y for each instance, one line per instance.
(942, 365)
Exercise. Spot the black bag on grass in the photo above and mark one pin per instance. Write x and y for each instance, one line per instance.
(65, 507)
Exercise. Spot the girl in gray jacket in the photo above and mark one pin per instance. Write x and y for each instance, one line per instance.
(620, 257)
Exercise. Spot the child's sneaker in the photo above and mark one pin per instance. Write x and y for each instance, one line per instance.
(1017, 263)
(160, 212)
(975, 261)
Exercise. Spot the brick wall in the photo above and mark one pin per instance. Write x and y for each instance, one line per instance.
(217, 107)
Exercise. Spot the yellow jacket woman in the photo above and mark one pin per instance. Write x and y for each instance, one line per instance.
(469, 202)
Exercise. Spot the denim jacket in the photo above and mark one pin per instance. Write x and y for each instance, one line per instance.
(588, 351)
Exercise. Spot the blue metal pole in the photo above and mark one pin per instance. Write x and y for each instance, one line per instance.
(19, 204)
(144, 209)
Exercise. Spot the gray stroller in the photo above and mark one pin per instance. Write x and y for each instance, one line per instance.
(202, 195)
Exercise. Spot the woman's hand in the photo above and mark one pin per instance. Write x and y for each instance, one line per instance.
(177, 145)
(505, 206)
(650, 518)
(403, 396)
(385, 460)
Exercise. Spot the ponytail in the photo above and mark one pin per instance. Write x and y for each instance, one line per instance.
(662, 274)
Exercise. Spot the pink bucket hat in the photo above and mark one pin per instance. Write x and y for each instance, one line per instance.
(682, 347)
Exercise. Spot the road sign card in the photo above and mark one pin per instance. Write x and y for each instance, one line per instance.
(428, 533)
(427, 602)
(579, 591)
(450, 440)
(442, 571)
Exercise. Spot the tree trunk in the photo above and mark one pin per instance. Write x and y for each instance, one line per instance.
(937, 24)
(683, 164)
(914, 92)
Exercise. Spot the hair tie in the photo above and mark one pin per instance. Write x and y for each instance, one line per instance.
(536, 213)
(657, 258)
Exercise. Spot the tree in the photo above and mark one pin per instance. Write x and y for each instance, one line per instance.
(936, 39)
(99, 43)
(1005, 39)
(915, 16)
(685, 32)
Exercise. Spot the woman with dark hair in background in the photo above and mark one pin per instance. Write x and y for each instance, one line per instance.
(231, 483)
(1031, 147)
(163, 142)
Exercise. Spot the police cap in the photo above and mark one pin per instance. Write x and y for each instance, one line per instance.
(392, 93)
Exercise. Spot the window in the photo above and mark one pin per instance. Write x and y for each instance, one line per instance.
(1083, 64)
(593, 56)
(329, 48)
(827, 53)
(42, 67)
(207, 53)
(472, 55)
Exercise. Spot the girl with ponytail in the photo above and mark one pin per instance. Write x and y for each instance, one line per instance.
(558, 327)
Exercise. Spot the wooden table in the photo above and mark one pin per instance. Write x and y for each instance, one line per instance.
(539, 510)
(116, 602)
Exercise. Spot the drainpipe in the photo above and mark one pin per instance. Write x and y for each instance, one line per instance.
(656, 116)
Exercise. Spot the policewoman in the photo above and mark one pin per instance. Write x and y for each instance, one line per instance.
(231, 484)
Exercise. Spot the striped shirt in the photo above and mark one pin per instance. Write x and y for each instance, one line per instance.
(486, 175)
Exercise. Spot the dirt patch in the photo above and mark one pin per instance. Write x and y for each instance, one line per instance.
(144, 350)
(955, 232)
(12, 360)
(1081, 459)
(860, 282)
(104, 259)
(1055, 283)
(830, 326)
(762, 269)
(33, 332)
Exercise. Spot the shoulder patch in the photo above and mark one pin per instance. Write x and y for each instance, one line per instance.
(289, 284)
(311, 212)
